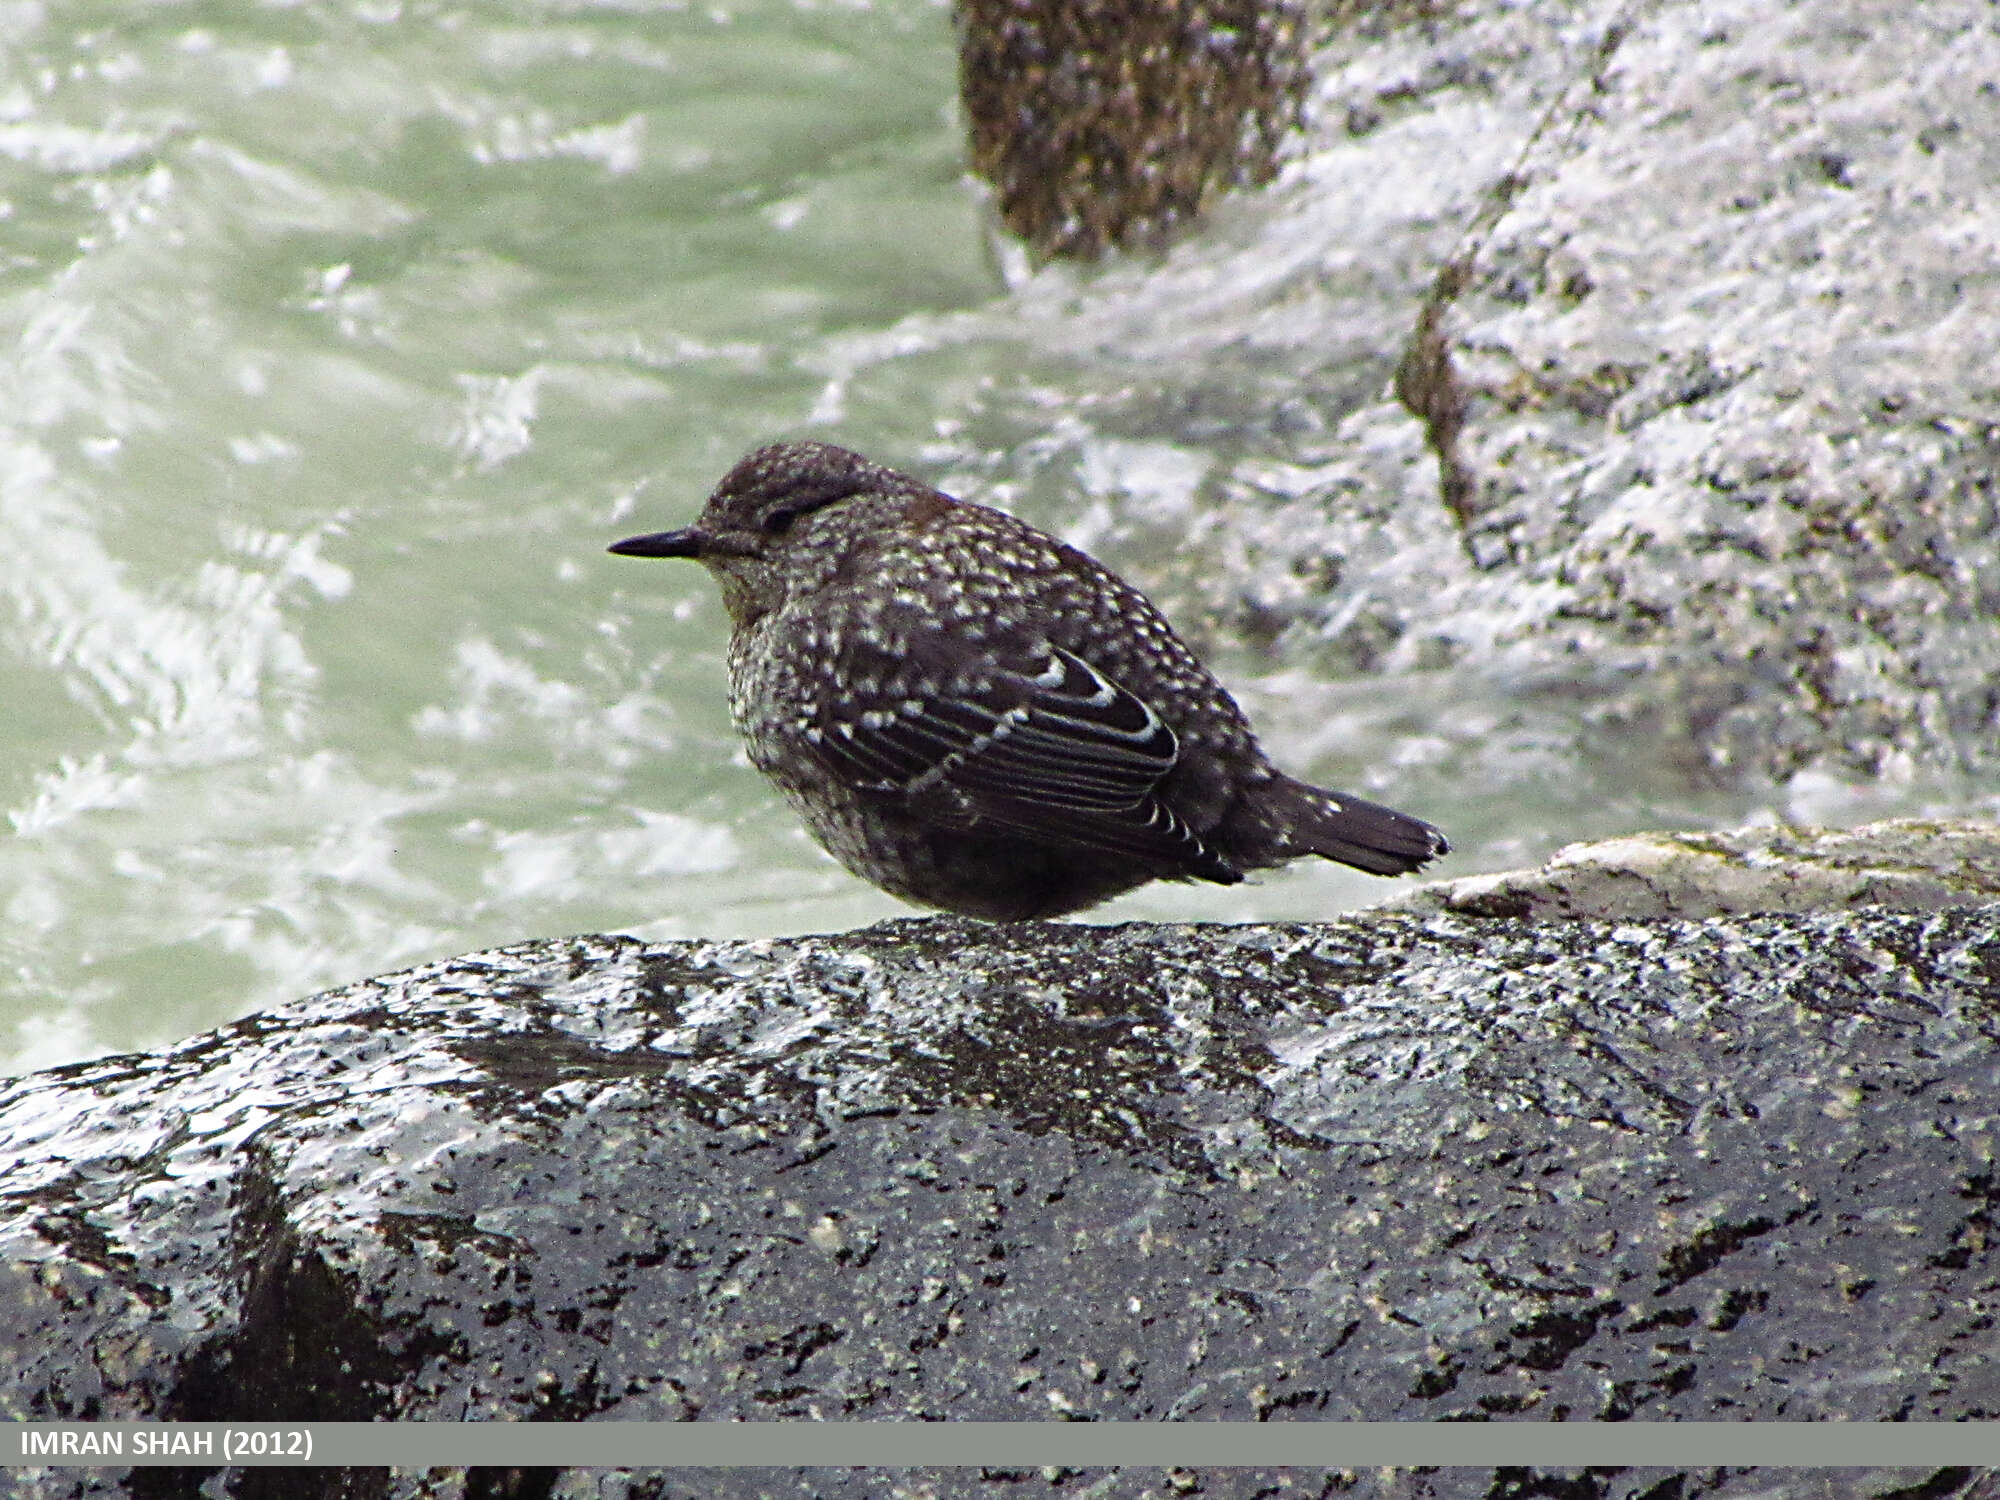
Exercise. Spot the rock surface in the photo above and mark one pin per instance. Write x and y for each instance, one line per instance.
(1706, 382)
(1107, 124)
(1392, 1167)
(1691, 466)
(1904, 865)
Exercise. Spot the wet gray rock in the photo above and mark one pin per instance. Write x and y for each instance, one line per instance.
(1393, 1167)
(1704, 386)
(1690, 462)
(1901, 865)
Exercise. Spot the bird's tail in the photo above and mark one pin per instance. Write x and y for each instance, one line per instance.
(1363, 834)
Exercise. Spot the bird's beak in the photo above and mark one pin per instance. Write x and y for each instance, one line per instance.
(687, 542)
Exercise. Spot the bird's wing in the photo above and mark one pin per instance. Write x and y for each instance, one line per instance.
(1039, 742)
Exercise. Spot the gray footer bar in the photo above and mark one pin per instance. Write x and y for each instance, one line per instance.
(1007, 1445)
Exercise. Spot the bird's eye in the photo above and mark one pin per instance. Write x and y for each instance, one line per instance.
(802, 498)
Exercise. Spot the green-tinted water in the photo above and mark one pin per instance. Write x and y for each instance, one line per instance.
(336, 341)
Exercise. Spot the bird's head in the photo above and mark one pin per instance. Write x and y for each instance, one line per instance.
(765, 532)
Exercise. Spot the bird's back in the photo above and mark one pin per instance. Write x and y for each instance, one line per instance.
(930, 594)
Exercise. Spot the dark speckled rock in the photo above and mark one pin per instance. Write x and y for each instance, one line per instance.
(1391, 1167)
(1107, 123)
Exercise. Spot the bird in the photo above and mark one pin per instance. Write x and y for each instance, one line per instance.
(978, 718)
